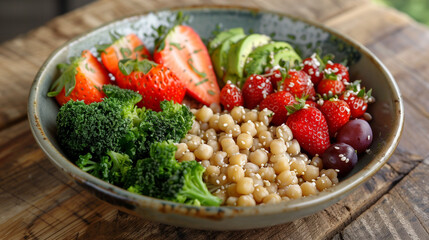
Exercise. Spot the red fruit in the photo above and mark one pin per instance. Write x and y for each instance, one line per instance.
(298, 83)
(357, 102)
(82, 79)
(126, 47)
(183, 51)
(337, 69)
(311, 67)
(154, 82)
(277, 103)
(275, 76)
(337, 113)
(330, 87)
(231, 96)
(255, 89)
(310, 129)
(311, 103)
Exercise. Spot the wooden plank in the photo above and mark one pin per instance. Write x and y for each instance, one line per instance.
(403, 213)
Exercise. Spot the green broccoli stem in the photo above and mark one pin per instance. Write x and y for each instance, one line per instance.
(194, 188)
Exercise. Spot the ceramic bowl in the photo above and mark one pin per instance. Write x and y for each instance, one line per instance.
(306, 36)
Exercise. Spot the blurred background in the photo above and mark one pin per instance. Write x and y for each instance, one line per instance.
(20, 16)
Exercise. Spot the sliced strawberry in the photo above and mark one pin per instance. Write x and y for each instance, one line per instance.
(154, 82)
(183, 51)
(309, 128)
(255, 89)
(129, 46)
(298, 83)
(277, 103)
(337, 113)
(82, 79)
(231, 96)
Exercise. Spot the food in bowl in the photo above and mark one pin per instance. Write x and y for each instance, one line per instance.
(116, 141)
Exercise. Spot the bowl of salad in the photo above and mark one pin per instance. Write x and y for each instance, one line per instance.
(216, 118)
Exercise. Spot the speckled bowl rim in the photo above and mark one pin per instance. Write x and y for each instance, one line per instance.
(336, 192)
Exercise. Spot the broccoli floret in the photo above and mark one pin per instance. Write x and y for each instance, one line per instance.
(161, 176)
(172, 123)
(98, 127)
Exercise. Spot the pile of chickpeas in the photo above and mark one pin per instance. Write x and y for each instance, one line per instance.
(249, 162)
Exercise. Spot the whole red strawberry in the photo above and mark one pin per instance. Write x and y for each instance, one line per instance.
(339, 70)
(277, 103)
(312, 68)
(231, 96)
(357, 99)
(329, 87)
(337, 113)
(255, 89)
(309, 128)
(154, 81)
(275, 77)
(298, 83)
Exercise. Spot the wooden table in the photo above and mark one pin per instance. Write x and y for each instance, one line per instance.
(39, 202)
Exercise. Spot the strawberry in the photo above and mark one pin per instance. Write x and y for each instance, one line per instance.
(309, 128)
(298, 83)
(337, 113)
(338, 70)
(311, 103)
(129, 46)
(357, 99)
(182, 50)
(276, 102)
(275, 77)
(255, 89)
(312, 67)
(231, 96)
(82, 79)
(329, 87)
(154, 82)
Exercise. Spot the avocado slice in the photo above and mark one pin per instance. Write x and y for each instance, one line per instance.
(220, 54)
(269, 55)
(222, 36)
(239, 51)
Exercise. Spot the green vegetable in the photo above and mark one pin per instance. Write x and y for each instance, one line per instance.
(161, 176)
(99, 127)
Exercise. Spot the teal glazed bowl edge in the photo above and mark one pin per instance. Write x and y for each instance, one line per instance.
(305, 36)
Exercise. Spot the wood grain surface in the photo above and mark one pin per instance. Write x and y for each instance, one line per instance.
(39, 202)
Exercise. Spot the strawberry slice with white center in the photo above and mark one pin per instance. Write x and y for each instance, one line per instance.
(183, 51)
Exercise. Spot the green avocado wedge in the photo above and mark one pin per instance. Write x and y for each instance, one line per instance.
(220, 55)
(239, 51)
(222, 36)
(269, 55)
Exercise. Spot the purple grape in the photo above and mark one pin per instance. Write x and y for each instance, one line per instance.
(356, 133)
(340, 156)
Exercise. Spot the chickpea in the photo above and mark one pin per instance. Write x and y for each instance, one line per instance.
(234, 130)
(293, 191)
(250, 168)
(218, 158)
(225, 120)
(294, 147)
(330, 173)
(204, 152)
(226, 142)
(267, 173)
(265, 116)
(246, 200)
(244, 141)
(260, 127)
(231, 201)
(308, 188)
(188, 156)
(231, 190)
(271, 188)
(298, 166)
(311, 173)
(284, 132)
(214, 144)
(251, 116)
(195, 130)
(204, 126)
(272, 198)
(245, 186)
(248, 127)
(323, 182)
(258, 157)
(209, 134)
(214, 122)
(278, 146)
(281, 165)
(265, 138)
(238, 159)
(317, 161)
(193, 143)
(204, 114)
(205, 163)
(221, 193)
(260, 193)
(231, 150)
(235, 173)
(212, 170)
(237, 114)
(181, 149)
(287, 178)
